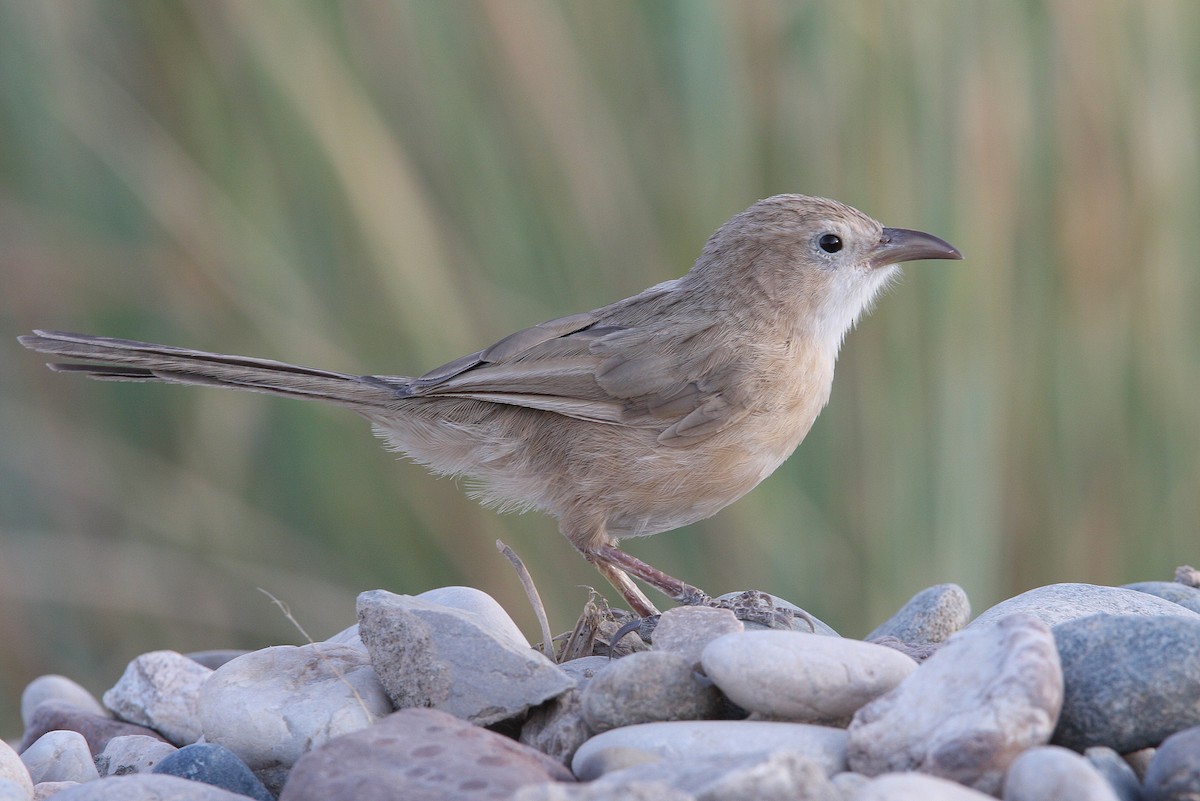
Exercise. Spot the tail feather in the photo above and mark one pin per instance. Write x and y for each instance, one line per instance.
(110, 359)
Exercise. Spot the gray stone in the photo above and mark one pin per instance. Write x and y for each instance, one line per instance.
(159, 690)
(1058, 603)
(404, 656)
(1051, 773)
(53, 715)
(12, 769)
(1174, 772)
(633, 791)
(57, 688)
(13, 790)
(419, 754)
(46, 790)
(799, 623)
(775, 776)
(917, 787)
(1116, 771)
(483, 607)
(557, 728)
(1130, 681)
(146, 787)
(216, 765)
(271, 706)
(929, 617)
(491, 678)
(788, 675)
(132, 753)
(349, 636)
(214, 659)
(685, 630)
(1173, 591)
(968, 711)
(849, 784)
(703, 740)
(60, 756)
(646, 687)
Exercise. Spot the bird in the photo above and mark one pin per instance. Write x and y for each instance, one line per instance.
(635, 418)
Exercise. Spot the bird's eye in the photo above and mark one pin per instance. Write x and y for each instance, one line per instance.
(830, 243)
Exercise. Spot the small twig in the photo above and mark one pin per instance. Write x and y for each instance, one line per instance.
(535, 600)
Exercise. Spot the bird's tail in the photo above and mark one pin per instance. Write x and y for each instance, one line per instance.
(111, 359)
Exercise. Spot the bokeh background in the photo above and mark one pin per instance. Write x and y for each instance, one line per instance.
(383, 186)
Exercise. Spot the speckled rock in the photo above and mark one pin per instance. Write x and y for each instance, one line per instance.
(419, 754)
(929, 617)
(799, 623)
(1051, 773)
(646, 687)
(1173, 591)
(159, 690)
(685, 630)
(1130, 681)
(60, 756)
(1058, 603)
(969, 710)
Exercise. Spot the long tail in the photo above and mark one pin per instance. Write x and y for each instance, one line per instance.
(111, 359)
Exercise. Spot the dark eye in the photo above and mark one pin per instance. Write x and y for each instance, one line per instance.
(830, 243)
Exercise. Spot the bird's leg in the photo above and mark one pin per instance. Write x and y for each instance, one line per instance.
(612, 557)
(637, 600)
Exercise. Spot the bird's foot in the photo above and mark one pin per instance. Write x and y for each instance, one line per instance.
(753, 606)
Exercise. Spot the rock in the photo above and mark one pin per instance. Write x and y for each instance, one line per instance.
(349, 636)
(1116, 771)
(159, 690)
(271, 706)
(216, 765)
(968, 711)
(1058, 603)
(46, 790)
(214, 659)
(146, 787)
(702, 740)
(491, 678)
(557, 728)
(487, 613)
(132, 754)
(685, 630)
(1139, 761)
(636, 791)
(60, 756)
(13, 770)
(1173, 591)
(776, 776)
(1130, 681)
(97, 729)
(849, 784)
(646, 687)
(12, 790)
(916, 787)
(929, 617)
(799, 623)
(419, 754)
(57, 688)
(404, 656)
(1174, 772)
(1051, 773)
(787, 675)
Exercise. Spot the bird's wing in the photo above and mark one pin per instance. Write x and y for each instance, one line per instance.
(582, 367)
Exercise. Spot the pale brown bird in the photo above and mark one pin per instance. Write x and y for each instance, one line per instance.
(638, 417)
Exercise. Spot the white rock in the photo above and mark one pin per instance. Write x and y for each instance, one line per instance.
(1057, 603)
(488, 613)
(13, 790)
(271, 706)
(917, 787)
(60, 756)
(969, 710)
(13, 769)
(776, 776)
(807, 678)
(132, 753)
(1052, 773)
(45, 790)
(58, 688)
(147, 787)
(159, 690)
(701, 740)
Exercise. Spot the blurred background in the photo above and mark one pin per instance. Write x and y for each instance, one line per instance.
(383, 186)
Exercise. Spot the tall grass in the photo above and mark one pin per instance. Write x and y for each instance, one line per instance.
(380, 187)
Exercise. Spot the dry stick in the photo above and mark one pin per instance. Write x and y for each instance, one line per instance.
(531, 592)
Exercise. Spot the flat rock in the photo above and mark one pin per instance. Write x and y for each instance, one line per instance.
(1058, 603)
(1051, 773)
(646, 687)
(97, 729)
(12, 769)
(1174, 772)
(969, 710)
(159, 690)
(685, 630)
(146, 787)
(490, 677)
(60, 756)
(1173, 591)
(132, 754)
(929, 617)
(216, 765)
(777, 776)
(788, 675)
(57, 688)
(707, 739)
(419, 754)
(916, 787)
(271, 706)
(1130, 681)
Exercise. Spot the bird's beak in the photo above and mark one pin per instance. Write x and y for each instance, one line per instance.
(900, 244)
